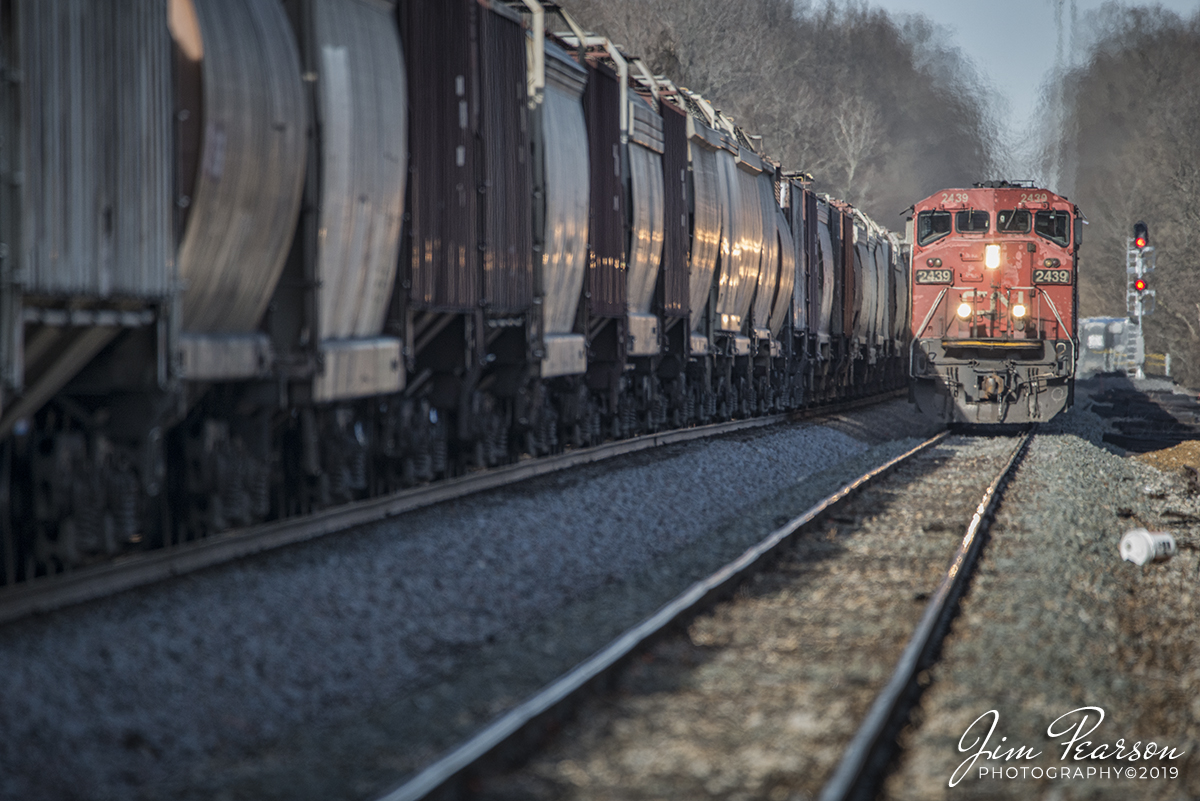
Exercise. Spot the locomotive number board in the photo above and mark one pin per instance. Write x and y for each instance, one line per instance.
(935, 276)
(1041, 276)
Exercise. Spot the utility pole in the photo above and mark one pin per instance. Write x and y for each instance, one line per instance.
(1139, 298)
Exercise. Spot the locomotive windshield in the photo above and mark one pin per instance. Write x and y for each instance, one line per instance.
(932, 226)
(1012, 221)
(1053, 225)
(972, 221)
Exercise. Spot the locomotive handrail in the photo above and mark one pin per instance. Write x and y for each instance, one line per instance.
(1050, 301)
(912, 346)
(932, 309)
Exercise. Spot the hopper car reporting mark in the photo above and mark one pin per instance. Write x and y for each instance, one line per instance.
(994, 299)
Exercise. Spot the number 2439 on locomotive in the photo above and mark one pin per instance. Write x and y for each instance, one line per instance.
(993, 303)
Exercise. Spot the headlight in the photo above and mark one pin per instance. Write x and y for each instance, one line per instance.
(964, 310)
(991, 256)
(1018, 310)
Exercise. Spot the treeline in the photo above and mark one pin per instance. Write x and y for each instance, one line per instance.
(881, 112)
(1129, 151)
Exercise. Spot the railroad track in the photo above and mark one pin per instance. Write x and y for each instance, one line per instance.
(860, 771)
(476, 766)
(60, 590)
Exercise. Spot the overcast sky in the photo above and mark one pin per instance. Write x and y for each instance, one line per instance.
(1014, 42)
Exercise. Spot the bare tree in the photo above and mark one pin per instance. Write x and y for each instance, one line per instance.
(1130, 121)
(878, 109)
(857, 133)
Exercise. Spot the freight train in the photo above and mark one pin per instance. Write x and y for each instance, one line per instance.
(994, 299)
(259, 257)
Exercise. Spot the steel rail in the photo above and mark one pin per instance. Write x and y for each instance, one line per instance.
(861, 768)
(60, 590)
(454, 762)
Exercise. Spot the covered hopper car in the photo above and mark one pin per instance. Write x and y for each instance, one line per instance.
(258, 257)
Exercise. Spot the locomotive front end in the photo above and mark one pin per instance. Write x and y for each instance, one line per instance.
(994, 299)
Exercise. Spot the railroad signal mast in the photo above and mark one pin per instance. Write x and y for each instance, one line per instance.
(1139, 297)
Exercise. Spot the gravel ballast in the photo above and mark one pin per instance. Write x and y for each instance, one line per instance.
(759, 698)
(333, 669)
(1054, 622)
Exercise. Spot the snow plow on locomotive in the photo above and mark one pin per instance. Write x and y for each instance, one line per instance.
(994, 299)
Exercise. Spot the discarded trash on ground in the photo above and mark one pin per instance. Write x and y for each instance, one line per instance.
(1141, 546)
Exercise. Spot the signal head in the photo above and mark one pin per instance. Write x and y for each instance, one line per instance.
(1141, 235)
(1140, 285)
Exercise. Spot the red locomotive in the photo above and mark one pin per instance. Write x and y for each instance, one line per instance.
(993, 303)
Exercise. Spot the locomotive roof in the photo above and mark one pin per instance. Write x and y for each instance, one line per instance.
(986, 195)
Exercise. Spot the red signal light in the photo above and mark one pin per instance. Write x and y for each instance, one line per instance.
(1141, 235)
(1139, 285)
